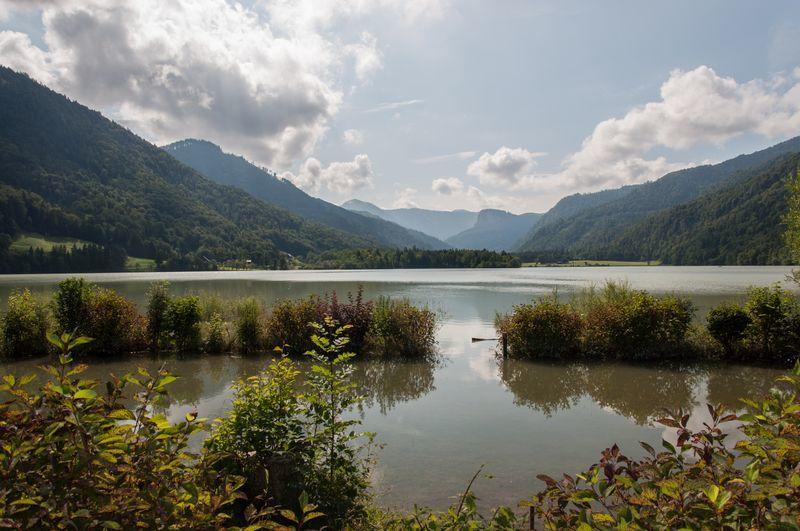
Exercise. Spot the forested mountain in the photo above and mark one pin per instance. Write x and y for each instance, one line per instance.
(736, 223)
(66, 170)
(597, 227)
(440, 224)
(495, 230)
(572, 204)
(224, 168)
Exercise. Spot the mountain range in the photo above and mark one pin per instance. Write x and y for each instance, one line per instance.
(68, 172)
(225, 168)
(594, 225)
(462, 229)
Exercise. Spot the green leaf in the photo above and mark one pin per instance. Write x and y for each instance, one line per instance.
(86, 394)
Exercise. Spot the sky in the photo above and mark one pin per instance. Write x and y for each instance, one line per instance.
(440, 104)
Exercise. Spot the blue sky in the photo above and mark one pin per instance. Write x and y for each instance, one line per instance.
(436, 103)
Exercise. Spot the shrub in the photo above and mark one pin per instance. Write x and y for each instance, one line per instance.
(71, 304)
(265, 433)
(355, 312)
(182, 323)
(544, 329)
(773, 313)
(401, 329)
(114, 323)
(288, 324)
(248, 326)
(157, 305)
(621, 322)
(24, 326)
(300, 441)
(727, 323)
(216, 335)
(73, 457)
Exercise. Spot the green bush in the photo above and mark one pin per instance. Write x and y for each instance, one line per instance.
(216, 335)
(114, 323)
(300, 441)
(288, 324)
(774, 316)
(249, 326)
(71, 304)
(264, 434)
(544, 329)
(401, 329)
(157, 306)
(182, 323)
(727, 324)
(620, 322)
(73, 457)
(24, 326)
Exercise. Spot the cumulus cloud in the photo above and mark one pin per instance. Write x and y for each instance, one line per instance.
(368, 59)
(696, 107)
(506, 167)
(405, 198)
(483, 200)
(354, 137)
(447, 186)
(342, 178)
(239, 76)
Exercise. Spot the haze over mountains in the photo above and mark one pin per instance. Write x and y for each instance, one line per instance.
(463, 229)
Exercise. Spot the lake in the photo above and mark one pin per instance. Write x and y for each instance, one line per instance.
(437, 422)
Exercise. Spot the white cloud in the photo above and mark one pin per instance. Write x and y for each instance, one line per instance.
(240, 76)
(461, 155)
(368, 59)
(342, 178)
(447, 186)
(354, 137)
(482, 200)
(506, 167)
(405, 198)
(696, 107)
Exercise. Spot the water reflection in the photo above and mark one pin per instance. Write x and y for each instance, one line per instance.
(637, 392)
(386, 382)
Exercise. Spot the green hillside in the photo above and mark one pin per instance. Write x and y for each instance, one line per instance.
(597, 227)
(741, 223)
(67, 171)
(224, 168)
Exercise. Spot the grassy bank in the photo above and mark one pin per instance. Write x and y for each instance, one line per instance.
(385, 327)
(618, 322)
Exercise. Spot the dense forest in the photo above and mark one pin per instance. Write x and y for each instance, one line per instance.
(589, 230)
(65, 170)
(224, 168)
(411, 258)
(741, 223)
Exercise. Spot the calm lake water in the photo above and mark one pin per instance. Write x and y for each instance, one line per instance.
(439, 421)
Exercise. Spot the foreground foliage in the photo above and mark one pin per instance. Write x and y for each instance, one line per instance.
(75, 456)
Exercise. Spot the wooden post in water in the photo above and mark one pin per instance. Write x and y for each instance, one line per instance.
(504, 339)
(531, 514)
